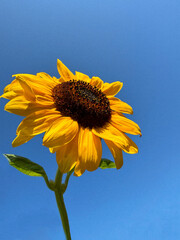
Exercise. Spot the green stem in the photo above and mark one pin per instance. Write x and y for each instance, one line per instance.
(61, 206)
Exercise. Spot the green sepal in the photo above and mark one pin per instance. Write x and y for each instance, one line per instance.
(106, 163)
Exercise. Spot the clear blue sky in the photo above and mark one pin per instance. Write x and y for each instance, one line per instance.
(133, 41)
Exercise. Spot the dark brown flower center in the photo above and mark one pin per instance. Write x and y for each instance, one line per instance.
(83, 103)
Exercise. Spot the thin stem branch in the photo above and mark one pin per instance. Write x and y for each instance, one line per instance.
(67, 180)
(50, 184)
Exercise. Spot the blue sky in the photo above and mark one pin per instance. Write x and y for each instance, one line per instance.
(136, 42)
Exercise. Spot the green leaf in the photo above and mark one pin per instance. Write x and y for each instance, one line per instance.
(25, 166)
(106, 163)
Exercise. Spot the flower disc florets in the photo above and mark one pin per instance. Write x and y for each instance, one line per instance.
(82, 102)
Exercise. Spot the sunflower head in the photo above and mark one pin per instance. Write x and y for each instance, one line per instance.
(75, 112)
(83, 103)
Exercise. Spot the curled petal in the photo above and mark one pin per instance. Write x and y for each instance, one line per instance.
(12, 90)
(9, 95)
(40, 84)
(28, 92)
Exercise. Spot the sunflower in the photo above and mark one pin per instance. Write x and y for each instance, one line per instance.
(75, 112)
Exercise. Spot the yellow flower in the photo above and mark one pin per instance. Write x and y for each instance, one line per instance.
(75, 112)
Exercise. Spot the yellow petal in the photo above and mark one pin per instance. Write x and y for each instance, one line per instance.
(119, 106)
(12, 86)
(28, 92)
(21, 139)
(89, 150)
(124, 124)
(60, 80)
(79, 170)
(82, 77)
(51, 81)
(9, 95)
(45, 76)
(40, 85)
(131, 146)
(61, 132)
(8, 87)
(66, 156)
(44, 99)
(41, 78)
(116, 152)
(111, 133)
(20, 106)
(97, 82)
(38, 122)
(111, 89)
(54, 149)
(64, 71)
(12, 90)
